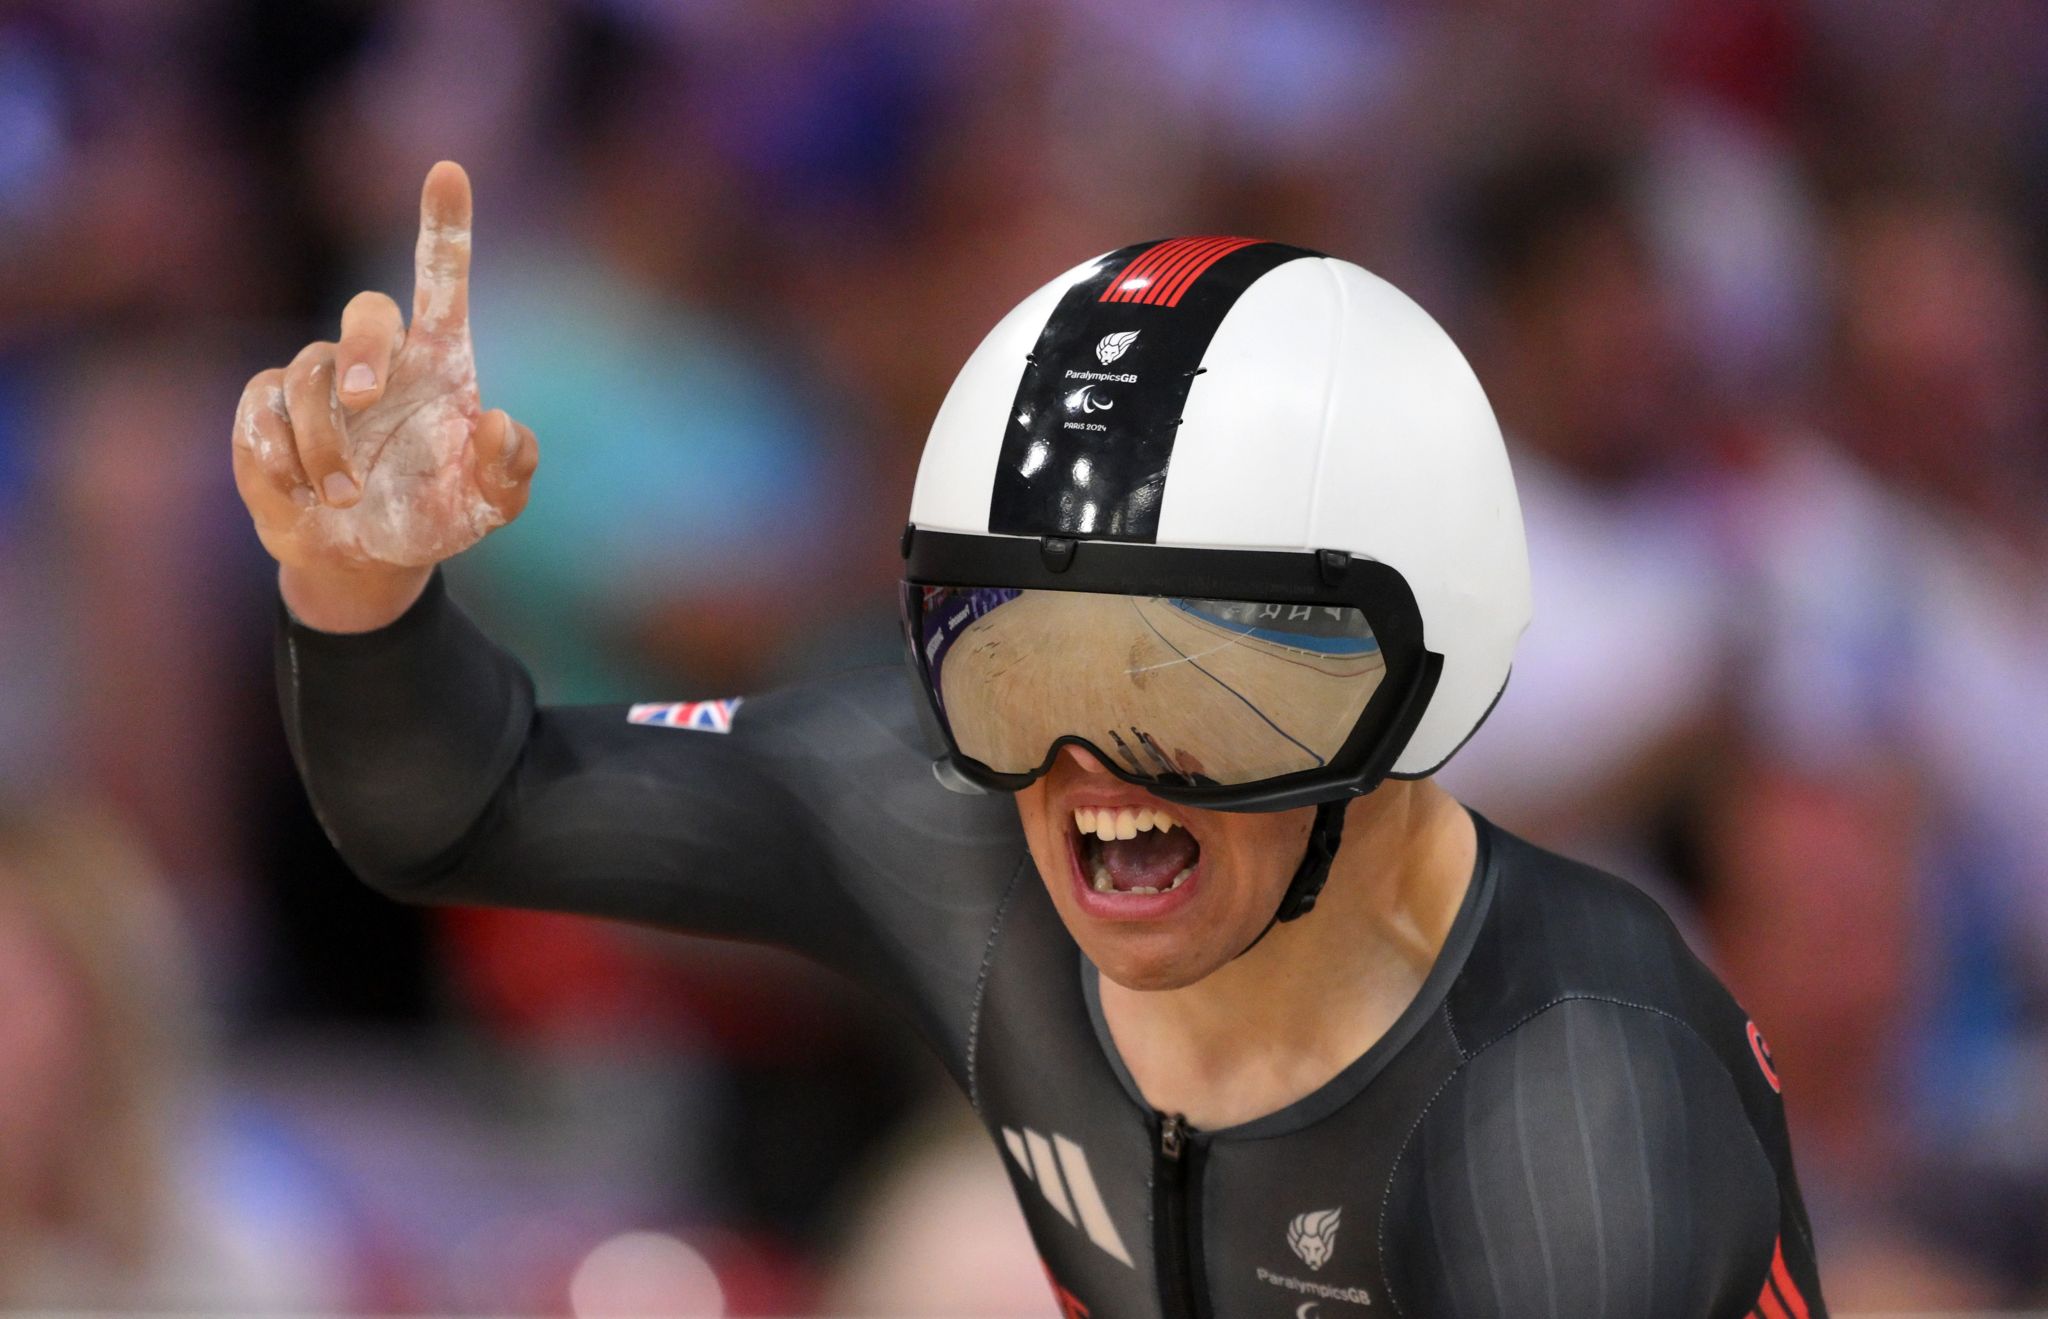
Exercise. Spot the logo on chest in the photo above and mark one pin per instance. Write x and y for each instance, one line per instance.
(1059, 1169)
(1313, 1235)
(1313, 1239)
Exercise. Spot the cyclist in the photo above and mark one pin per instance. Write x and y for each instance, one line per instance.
(1213, 558)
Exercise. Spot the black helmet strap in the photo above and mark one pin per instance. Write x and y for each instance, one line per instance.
(1324, 837)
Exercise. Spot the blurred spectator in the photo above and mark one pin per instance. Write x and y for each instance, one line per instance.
(29, 704)
(119, 197)
(1898, 548)
(146, 573)
(1938, 336)
(691, 490)
(115, 1188)
(1792, 864)
(935, 1232)
(1621, 667)
(1898, 587)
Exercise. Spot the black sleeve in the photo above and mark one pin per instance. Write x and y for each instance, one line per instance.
(813, 823)
(1595, 1161)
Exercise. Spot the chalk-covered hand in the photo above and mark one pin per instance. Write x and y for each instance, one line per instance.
(370, 459)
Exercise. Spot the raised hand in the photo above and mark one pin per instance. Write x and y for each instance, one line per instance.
(369, 459)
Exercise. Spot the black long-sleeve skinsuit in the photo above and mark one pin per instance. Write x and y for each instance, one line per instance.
(1572, 1120)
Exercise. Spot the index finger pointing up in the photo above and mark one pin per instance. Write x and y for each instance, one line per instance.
(440, 296)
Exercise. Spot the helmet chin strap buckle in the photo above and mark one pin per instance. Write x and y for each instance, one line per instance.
(1324, 837)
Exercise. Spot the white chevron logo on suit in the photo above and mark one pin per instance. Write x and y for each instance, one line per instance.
(1060, 1170)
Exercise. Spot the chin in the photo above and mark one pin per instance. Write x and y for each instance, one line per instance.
(1151, 960)
(1150, 979)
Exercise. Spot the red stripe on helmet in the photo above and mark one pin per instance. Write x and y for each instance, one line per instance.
(1189, 255)
(1140, 267)
(1170, 294)
(1164, 271)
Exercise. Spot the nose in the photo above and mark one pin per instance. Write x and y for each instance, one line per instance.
(1085, 759)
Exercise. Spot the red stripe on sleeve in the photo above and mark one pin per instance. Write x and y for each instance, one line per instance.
(1782, 1276)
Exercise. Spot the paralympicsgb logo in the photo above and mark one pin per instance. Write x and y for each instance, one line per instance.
(1313, 1235)
(1113, 346)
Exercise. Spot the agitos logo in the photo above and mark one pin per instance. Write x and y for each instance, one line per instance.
(1084, 399)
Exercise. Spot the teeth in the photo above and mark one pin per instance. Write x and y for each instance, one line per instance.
(1107, 824)
(1103, 884)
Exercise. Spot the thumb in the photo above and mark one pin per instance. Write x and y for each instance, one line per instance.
(506, 455)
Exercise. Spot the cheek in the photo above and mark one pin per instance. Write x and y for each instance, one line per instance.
(1258, 855)
(1046, 842)
(1031, 811)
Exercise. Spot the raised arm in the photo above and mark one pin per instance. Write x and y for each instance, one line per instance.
(440, 780)
(810, 820)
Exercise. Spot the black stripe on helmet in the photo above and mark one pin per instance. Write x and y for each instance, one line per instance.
(1091, 432)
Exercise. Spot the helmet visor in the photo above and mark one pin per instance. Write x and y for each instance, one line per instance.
(1168, 689)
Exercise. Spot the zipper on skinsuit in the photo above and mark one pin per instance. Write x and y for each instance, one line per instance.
(1174, 1246)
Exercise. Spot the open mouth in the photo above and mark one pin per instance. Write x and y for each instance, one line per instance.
(1133, 850)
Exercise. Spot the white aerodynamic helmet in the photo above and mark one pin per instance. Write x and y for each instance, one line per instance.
(1234, 515)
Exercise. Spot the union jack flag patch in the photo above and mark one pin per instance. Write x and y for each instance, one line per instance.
(700, 716)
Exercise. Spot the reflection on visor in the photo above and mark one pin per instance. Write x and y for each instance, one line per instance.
(1171, 688)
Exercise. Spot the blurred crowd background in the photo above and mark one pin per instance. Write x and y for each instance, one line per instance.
(1756, 287)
